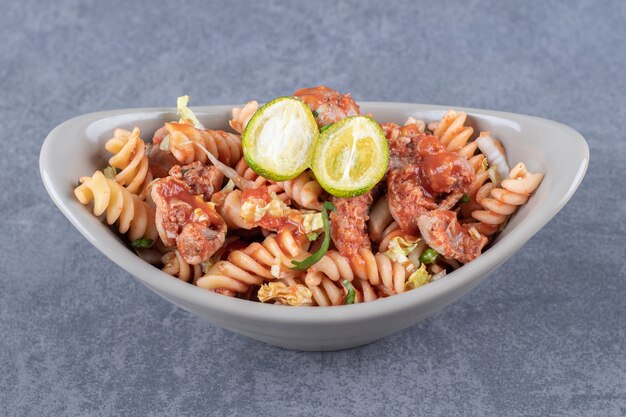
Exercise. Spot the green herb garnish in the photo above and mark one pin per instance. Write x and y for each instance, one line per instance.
(142, 243)
(351, 293)
(312, 236)
(465, 198)
(428, 256)
(313, 259)
(315, 113)
(323, 128)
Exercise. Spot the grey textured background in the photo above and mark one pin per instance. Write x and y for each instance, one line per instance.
(545, 335)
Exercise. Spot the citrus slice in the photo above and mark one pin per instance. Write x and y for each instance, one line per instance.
(351, 156)
(279, 139)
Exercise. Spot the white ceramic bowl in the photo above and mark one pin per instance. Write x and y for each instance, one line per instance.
(76, 148)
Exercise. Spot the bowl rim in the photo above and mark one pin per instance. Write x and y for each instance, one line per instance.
(161, 282)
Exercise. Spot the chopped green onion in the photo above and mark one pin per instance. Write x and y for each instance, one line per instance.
(351, 293)
(315, 114)
(429, 256)
(142, 243)
(323, 128)
(313, 259)
(109, 172)
(184, 171)
(465, 199)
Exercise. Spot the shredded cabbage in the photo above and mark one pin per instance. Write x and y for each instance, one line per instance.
(399, 248)
(494, 174)
(312, 222)
(165, 144)
(294, 295)
(185, 113)
(230, 186)
(252, 213)
(418, 278)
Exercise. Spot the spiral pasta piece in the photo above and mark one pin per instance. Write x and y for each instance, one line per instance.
(133, 216)
(242, 115)
(481, 176)
(376, 269)
(500, 203)
(379, 269)
(248, 173)
(176, 266)
(391, 232)
(230, 210)
(184, 138)
(304, 190)
(379, 219)
(453, 133)
(130, 156)
(255, 264)
(326, 292)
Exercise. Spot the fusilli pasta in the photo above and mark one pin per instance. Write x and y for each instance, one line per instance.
(242, 115)
(130, 156)
(304, 190)
(176, 266)
(453, 133)
(500, 202)
(133, 216)
(184, 138)
(212, 221)
(268, 260)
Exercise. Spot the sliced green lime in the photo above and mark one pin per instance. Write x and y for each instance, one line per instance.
(351, 156)
(279, 139)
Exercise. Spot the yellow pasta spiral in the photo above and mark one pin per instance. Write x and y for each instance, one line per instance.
(176, 266)
(131, 159)
(379, 219)
(183, 140)
(481, 176)
(453, 133)
(326, 292)
(258, 262)
(133, 216)
(391, 232)
(248, 173)
(376, 269)
(242, 115)
(230, 210)
(500, 202)
(304, 190)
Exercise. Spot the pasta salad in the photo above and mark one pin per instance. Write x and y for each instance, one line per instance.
(305, 201)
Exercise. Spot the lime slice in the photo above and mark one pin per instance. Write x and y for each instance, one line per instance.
(279, 139)
(351, 156)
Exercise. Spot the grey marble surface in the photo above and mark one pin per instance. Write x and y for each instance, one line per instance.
(545, 335)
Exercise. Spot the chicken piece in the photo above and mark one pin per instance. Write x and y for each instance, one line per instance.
(442, 231)
(446, 172)
(407, 198)
(348, 224)
(330, 105)
(185, 220)
(202, 180)
(403, 144)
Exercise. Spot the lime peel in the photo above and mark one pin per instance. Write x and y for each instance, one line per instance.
(351, 156)
(279, 139)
